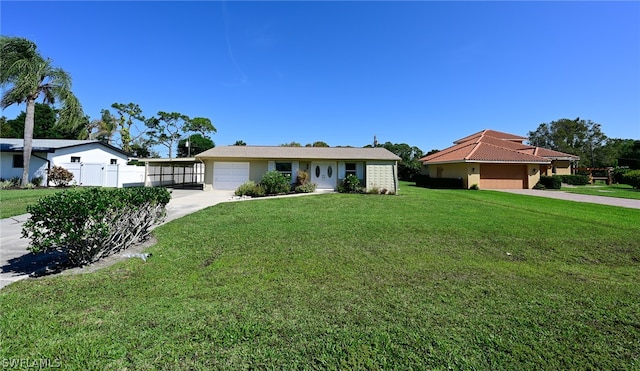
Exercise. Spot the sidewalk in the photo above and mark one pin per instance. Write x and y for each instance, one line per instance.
(16, 263)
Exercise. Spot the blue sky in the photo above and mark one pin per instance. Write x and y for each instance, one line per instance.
(422, 73)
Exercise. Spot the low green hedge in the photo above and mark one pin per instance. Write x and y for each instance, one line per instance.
(549, 182)
(632, 178)
(91, 223)
(440, 183)
(577, 179)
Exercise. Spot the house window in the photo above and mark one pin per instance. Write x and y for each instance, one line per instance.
(18, 161)
(75, 159)
(114, 161)
(284, 168)
(350, 169)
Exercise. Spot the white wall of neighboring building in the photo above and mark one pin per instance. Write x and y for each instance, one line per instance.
(37, 167)
(88, 153)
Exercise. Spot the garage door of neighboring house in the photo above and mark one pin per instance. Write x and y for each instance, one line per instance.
(503, 176)
(86, 174)
(229, 175)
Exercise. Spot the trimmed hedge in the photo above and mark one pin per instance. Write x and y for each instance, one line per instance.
(88, 224)
(632, 178)
(439, 183)
(575, 179)
(551, 182)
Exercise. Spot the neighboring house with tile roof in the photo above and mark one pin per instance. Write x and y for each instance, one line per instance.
(497, 160)
(93, 163)
(227, 167)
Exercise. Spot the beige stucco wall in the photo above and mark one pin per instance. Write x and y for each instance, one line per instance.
(533, 175)
(562, 167)
(468, 171)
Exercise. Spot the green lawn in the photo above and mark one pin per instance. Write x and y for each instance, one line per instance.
(429, 279)
(14, 201)
(614, 190)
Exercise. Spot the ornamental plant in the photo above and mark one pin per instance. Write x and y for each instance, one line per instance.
(59, 176)
(88, 224)
(350, 184)
(275, 182)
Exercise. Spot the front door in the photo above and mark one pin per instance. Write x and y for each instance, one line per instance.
(324, 174)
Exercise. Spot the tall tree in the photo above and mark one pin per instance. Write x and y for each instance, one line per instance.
(194, 144)
(239, 143)
(129, 113)
(168, 128)
(26, 75)
(582, 138)
(317, 144)
(104, 128)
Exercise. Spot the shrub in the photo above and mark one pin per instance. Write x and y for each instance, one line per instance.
(539, 186)
(37, 181)
(250, 188)
(350, 184)
(59, 176)
(441, 183)
(551, 182)
(29, 186)
(4, 184)
(275, 182)
(474, 187)
(302, 178)
(306, 188)
(422, 180)
(632, 178)
(618, 173)
(577, 179)
(91, 223)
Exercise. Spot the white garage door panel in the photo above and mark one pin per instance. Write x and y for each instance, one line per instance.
(230, 175)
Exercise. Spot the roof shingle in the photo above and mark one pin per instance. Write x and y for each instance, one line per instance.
(301, 153)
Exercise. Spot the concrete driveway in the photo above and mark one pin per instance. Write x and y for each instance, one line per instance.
(603, 200)
(17, 263)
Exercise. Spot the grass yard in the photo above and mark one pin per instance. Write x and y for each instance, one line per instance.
(614, 190)
(429, 279)
(14, 201)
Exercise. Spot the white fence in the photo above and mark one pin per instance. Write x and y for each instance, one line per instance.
(103, 175)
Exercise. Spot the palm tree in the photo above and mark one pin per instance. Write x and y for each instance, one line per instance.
(27, 75)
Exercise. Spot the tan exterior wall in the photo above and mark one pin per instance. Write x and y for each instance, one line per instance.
(562, 167)
(533, 174)
(257, 169)
(208, 175)
(468, 171)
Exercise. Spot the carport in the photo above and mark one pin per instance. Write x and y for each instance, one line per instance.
(184, 172)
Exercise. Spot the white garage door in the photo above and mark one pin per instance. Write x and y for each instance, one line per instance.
(229, 175)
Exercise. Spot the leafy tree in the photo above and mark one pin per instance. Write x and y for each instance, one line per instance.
(25, 76)
(103, 129)
(317, 144)
(292, 144)
(167, 128)
(582, 138)
(46, 125)
(239, 143)
(128, 114)
(197, 144)
(410, 164)
(141, 148)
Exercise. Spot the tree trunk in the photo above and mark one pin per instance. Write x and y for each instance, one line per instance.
(28, 139)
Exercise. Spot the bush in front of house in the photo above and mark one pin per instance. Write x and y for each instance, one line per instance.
(251, 189)
(306, 188)
(576, 179)
(275, 183)
(350, 184)
(439, 183)
(59, 176)
(618, 173)
(88, 224)
(632, 178)
(550, 182)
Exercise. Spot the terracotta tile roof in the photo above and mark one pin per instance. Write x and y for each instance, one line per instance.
(493, 134)
(485, 147)
(299, 153)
